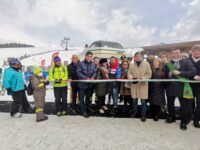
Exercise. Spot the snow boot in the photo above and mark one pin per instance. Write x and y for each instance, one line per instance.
(17, 115)
(40, 117)
(40, 114)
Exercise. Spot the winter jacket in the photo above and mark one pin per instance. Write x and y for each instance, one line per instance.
(85, 70)
(156, 89)
(140, 89)
(124, 90)
(196, 86)
(101, 89)
(187, 70)
(59, 75)
(114, 73)
(39, 90)
(72, 73)
(13, 79)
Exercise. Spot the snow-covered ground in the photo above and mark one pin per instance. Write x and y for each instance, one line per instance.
(75, 132)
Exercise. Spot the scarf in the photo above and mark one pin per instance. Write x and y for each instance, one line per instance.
(187, 91)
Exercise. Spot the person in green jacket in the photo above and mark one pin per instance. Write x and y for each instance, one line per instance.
(58, 74)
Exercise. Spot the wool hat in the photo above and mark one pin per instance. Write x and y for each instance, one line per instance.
(56, 59)
(37, 70)
(103, 60)
(14, 61)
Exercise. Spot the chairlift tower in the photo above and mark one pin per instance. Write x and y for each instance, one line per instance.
(65, 42)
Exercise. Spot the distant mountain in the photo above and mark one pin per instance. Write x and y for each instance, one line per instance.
(14, 45)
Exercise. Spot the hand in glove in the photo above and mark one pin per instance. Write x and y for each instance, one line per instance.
(47, 83)
(9, 91)
(176, 72)
(25, 87)
(134, 82)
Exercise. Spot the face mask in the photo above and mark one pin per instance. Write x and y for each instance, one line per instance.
(17, 69)
(40, 74)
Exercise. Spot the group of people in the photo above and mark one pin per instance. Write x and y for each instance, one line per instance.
(158, 94)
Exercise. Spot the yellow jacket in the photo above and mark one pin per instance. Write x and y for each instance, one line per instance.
(59, 75)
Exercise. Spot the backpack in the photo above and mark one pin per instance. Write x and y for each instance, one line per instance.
(29, 88)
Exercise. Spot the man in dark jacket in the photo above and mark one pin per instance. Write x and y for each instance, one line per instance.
(86, 70)
(180, 68)
(72, 75)
(196, 86)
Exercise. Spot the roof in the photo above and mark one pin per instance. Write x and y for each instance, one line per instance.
(185, 46)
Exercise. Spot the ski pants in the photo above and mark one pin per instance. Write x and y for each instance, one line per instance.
(19, 101)
(60, 94)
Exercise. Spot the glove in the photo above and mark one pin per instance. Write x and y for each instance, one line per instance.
(9, 91)
(47, 83)
(176, 72)
(134, 82)
(58, 81)
(25, 87)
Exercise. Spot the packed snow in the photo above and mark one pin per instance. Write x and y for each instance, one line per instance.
(94, 133)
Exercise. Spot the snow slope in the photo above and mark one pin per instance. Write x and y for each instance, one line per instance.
(95, 133)
(38, 54)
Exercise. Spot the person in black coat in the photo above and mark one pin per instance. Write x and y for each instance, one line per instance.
(196, 86)
(182, 68)
(86, 70)
(73, 76)
(156, 92)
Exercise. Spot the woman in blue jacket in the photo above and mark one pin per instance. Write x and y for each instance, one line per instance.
(14, 83)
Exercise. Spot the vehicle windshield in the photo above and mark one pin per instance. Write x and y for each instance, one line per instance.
(106, 44)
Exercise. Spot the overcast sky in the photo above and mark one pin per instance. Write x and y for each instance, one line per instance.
(133, 23)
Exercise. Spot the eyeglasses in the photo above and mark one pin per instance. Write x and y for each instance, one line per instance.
(124, 64)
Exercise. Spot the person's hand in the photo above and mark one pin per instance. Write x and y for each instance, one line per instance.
(70, 80)
(47, 83)
(197, 77)
(9, 91)
(176, 72)
(91, 78)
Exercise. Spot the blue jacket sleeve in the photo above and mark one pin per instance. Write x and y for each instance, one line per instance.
(7, 79)
(118, 73)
